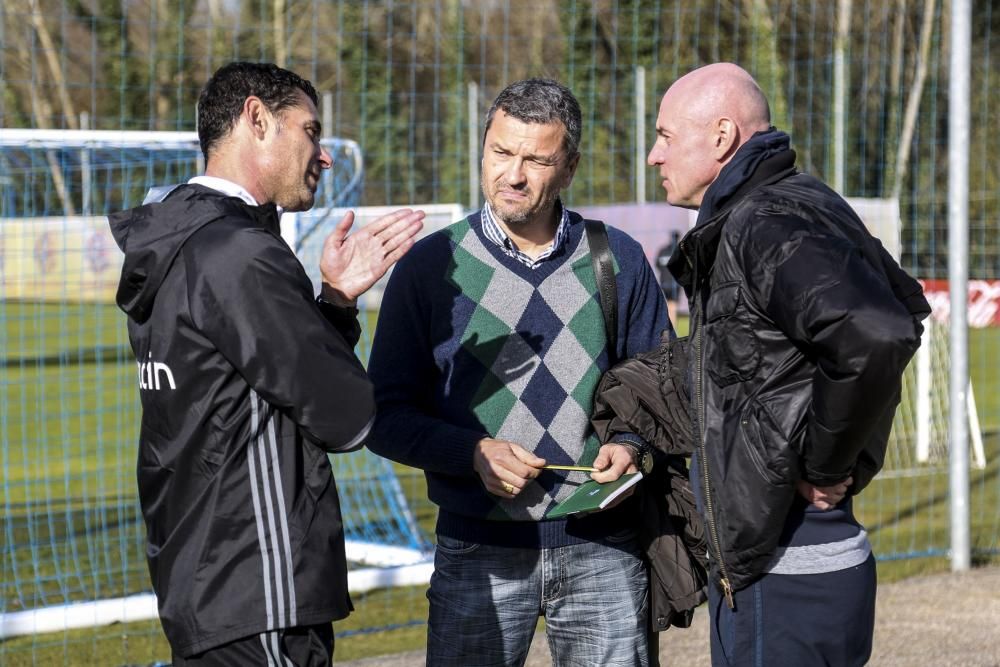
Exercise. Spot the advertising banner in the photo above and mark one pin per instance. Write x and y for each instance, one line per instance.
(984, 301)
(68, 259)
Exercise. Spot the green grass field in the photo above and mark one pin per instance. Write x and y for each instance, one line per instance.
(68, 408)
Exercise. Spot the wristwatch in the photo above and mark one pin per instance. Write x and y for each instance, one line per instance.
(642, 454)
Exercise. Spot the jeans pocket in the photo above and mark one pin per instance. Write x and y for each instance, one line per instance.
(453, 546)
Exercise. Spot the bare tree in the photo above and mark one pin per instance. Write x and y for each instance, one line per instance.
(913, 101)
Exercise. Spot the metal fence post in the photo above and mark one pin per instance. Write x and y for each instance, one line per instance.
(640, 134)
(958, 277)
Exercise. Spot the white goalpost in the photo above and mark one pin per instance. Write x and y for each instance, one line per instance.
(931, 426)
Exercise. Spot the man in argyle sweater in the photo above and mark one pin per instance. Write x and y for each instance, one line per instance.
(489, 347)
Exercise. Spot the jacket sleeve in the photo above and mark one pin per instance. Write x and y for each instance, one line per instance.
(344, 320)
(249, 295)
(401, 365)
(840, 310)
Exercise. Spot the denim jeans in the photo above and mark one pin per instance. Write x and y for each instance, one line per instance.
(485, 602)
(796, 619)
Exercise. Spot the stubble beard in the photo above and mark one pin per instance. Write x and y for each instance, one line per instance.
(301, 196)
(301, 199)
(515, 216)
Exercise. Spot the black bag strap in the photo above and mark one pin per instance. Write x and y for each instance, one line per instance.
(607, 286)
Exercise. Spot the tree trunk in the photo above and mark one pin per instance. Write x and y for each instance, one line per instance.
(895, 81)
(913, 102)
(55, 68)
(41, 110)
(280, 55)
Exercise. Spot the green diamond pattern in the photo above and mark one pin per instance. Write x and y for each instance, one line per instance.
(469, 274)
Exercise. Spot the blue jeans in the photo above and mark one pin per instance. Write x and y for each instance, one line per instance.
(485, 602)
(796, 619)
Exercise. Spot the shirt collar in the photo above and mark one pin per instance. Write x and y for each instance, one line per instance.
(495, 233)
(225, 187)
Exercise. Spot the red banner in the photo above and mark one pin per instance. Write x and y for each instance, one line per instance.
(984, 301)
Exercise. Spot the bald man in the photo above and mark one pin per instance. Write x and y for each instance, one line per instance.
(801, 326)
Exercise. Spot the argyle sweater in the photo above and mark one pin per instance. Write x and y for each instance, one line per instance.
(471, 343)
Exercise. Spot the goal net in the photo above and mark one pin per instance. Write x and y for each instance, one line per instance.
(919, 440)
(73, 538)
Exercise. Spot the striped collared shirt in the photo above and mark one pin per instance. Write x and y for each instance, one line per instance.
(495, 233)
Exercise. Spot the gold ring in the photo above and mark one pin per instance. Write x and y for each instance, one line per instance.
(508, 487)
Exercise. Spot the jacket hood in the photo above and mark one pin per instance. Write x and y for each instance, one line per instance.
(151, 235)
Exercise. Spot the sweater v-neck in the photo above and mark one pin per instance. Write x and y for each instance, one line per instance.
(539, 273)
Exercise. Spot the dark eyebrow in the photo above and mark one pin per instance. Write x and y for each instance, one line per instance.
(497, 146)
(533, 157)
(545, 159)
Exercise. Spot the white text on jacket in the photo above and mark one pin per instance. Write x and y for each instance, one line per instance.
(150, 373)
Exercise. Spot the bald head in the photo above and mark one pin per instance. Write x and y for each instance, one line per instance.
(704, 118)
(721, 90)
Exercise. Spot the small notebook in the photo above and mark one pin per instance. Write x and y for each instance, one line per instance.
(591, 496)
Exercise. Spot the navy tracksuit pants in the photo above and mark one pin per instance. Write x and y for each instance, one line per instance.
(806, 619)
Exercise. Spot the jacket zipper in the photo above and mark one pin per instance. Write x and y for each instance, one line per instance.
(727, 589)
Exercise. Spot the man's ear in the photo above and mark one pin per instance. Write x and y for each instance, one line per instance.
(726, 138)
(256, 116)
(574, 162)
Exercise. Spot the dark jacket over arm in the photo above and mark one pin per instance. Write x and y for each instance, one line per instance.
(648, 395)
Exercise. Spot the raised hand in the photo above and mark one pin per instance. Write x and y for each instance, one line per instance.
(350, 264)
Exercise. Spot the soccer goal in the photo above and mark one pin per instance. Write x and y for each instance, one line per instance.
(920, 435)
(73, 545)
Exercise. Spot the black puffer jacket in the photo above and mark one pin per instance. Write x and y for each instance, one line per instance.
(246, 383)
(801, 326)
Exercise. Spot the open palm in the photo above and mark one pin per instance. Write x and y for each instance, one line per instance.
(352, 262)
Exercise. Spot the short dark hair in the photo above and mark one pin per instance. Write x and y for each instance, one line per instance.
(221, 100)
(540, 101)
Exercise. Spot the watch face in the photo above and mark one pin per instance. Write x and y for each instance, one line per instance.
(646, 463)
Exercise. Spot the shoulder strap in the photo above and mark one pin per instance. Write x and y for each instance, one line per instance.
(604, 272)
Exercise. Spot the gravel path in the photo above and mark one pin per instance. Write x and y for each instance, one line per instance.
(943, 619)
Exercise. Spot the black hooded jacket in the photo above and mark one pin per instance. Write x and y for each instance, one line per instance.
(246, 383)
(801, 327)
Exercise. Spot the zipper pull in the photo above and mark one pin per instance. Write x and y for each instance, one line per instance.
(727, 590)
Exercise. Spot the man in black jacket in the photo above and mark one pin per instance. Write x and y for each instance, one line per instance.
(247, 381)
(801, 326)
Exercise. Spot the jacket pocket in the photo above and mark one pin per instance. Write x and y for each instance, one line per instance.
(316, 500)
(734, 352)
(768, 450)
